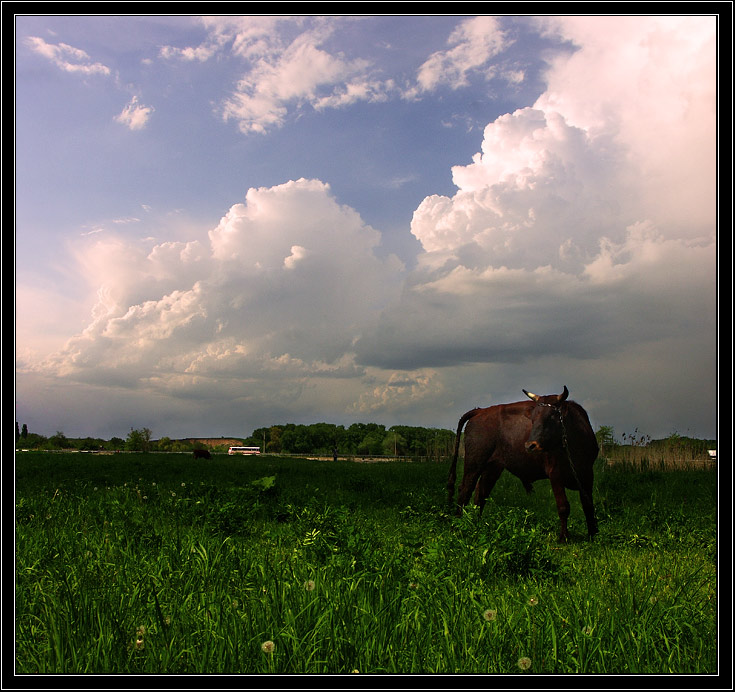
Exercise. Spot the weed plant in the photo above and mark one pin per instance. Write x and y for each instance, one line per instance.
(152, 563)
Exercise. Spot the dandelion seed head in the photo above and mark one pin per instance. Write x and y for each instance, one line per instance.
(309, 585)
(268, 647)
(587, 631)
(524, 663)
(490, 615)
(533, 601)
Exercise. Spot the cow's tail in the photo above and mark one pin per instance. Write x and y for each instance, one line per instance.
(453, 469)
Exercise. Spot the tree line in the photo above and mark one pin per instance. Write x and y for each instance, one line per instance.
(370, 439)
(321, 439)
(137, 440)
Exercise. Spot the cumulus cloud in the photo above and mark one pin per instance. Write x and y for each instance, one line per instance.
(579, 245)
(135, 116)
(67, 58)
(283, 285)
(554, 240)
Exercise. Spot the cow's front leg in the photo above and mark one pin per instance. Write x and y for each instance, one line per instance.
(562, 505)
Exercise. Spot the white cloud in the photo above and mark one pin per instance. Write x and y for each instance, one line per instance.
(285, 68)
(303, 73)
(473, 44)
(579, 247)
(67, 58)
(288, 66)
(583, 230)
(135, 116)
(285, 284)
(649, 88)
(201, 53)
(398, 391)
(538, 185)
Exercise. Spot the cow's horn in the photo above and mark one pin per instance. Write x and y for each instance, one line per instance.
(563, 396)
(531, 395)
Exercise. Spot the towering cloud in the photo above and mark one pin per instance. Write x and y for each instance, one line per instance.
(567, 227)
(579, 243)
(287, 281)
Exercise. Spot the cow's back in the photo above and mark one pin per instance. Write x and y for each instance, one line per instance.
(499, 431)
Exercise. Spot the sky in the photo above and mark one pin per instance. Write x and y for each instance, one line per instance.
(224, 223)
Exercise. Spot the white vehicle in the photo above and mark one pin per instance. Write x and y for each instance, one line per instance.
(243, 450)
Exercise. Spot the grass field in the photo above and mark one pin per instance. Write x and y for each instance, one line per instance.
(156, 563)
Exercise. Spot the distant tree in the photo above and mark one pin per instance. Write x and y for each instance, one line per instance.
(24, 431)
(115, 443)
(138, 440)
(274, 445)
(90, 443)
(35, 441)
(59, 440)
(394, 444)
(605, 438)
(181, 446)
(164, 444)
(372, 443)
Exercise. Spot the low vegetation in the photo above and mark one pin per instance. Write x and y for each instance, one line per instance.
(157, 563)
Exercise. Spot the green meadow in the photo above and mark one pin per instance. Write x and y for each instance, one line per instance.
(159, 563)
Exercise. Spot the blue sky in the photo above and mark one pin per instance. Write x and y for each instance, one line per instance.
(230, 222)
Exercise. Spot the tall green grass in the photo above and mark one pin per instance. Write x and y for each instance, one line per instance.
(159, 564)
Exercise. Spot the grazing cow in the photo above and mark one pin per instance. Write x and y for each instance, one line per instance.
(202, 454)
(547, 437)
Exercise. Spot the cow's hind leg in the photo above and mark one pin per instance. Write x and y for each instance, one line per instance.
(485, 485)
(585, 496)
(469, 481)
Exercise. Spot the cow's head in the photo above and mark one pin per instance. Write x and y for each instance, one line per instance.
(547, 432)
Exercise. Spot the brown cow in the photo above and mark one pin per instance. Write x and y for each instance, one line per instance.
(202, 454)
(547, 437)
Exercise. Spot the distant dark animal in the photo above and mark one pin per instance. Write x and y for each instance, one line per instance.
(202, 454)
(547, 437)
